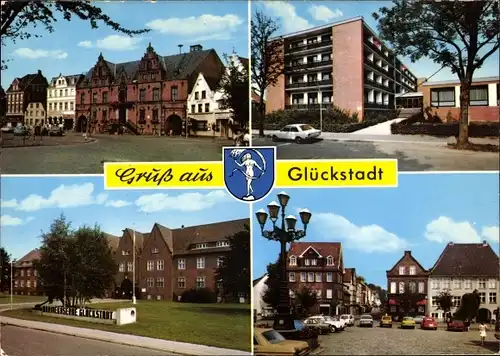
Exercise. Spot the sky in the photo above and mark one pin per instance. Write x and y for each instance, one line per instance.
(30, 204)
(296, 16)
(376, 225)
(73, 47)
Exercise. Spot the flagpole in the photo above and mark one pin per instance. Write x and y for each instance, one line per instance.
(133, 269)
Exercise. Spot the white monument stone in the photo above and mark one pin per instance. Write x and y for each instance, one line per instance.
(126, 316)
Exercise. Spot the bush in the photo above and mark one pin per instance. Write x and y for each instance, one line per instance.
(476, 129)
(199, 295)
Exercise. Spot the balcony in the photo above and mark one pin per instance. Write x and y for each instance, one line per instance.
(377, 85)
(310, 84)
(303, 66)
(377, 106)
(309, 46)
(309, 106)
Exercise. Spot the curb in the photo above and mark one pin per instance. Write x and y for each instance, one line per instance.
(86, 142)
(175, 347)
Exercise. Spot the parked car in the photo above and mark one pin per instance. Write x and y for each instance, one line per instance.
(21, 131)
(343, 322)
(386, 321)
(336, 324)
(349, 319)
(320, 325)
(297, 133)
(419, 319)
(7, 129)
(56, 131)
(270, 342)
(456, 325)
(429, 323)
(303, 333)
(366, 320)
(408, 322)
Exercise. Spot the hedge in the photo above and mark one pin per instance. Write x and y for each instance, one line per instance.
(199, 295)
(476, 129)
(334, 120)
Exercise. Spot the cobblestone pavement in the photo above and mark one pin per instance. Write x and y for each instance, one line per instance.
(88, 158)
(395, 341)
(411, 156)
(9, 140)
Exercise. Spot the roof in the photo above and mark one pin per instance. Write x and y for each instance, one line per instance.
(184, 238)
(318, 28)
(27, 260)
(255, 281)
(349, 273)
(167, 235)
(472, 260)
(139, 237)
(405, 254)
(24, 81)
(113, 241)
(324, 248)
(244, 61)
(457, 82)
(68, 78)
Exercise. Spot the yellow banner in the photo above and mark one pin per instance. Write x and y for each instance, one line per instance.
(337, 173)
(150, 175)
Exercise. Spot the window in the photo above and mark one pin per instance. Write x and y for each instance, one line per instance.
(22, 284)
(151, 282)
(445, 284)
(34, 284)
(401, 287)
(200, 107)
(82, 98)
(193, 109)
(318, 294)
(482, 297)
(319, 277)
(105, 97)
(94, 98)
(207, 107)
(199, 246)
(413, 270)
(121, 267)
(434, 301)
(181, 263)
(329, 277)
(151, 266)
(153, 76)
(435, 284)
(412, 286)
(307, 262)
(196, 95)
(104, 115)
(457, 284)
(455, 301)
(35, 273)
(443, 97)
(181, 282)
(328, 294)
(302, 276)
(142, 95)
(478, 95)
(482, 284)
(28, 284)
(314, 262)
(65, 106)
(291, 277)
(160, 282)
(203, 94)
(174, 94)
(402, 270)
(393, 288)
(220, 261)
(155, 250)
(492, 284)
(421, 287)
(28, 273)
(156, 94)
(310, 276)
(200, 282)
(222, 244)
(155, 115)
(200, 262)
(493, 298)
(130, 266)
(160, 264)
(293, 261)
(467, 284)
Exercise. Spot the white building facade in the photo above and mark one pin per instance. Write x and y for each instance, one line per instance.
(61, 97)
(34, 114)
(260, 307)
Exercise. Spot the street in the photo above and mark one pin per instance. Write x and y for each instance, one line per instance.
(430, 155)
(88, 158)
(395, 341)
(26, 342)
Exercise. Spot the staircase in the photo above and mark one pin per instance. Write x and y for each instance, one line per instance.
(132, 128)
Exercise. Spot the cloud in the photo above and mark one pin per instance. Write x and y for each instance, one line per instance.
(64, 196)
(8, 220)
(291, 22)
(40, 53)
(204, 27)
(368, 238)
(323, 13)
(114, 43)
(445, 229)
(184, 202)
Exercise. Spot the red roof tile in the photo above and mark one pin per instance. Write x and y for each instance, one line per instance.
(324, 248)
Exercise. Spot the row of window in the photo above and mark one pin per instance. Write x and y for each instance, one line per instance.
(456, 300)
(465, 284)
(159, 282)
(156, 96)
(54, 92)
(203, 95)
(27, 284)
(160, 264)
(405, 270)
(28, 272)
(206, 245)
(413, 287)
(311, 277)
(311, 261)
(200, 108)
(445, 97)
(36, 113)
(62, 106)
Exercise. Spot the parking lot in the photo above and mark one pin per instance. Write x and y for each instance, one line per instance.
(396, 341)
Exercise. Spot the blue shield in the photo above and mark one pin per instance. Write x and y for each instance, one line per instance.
(249, 172)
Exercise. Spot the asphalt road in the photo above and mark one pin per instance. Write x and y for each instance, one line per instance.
(88, 158)
(411, 155)
(17, 341)
(395, 341)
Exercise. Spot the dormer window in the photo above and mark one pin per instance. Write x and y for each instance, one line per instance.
(413, 270)
(314, 262)
(402, 270)
(222, 244)
(293, 261)
(201, 246)
(125, 252)
(329, 261)
(307, 262)
(155, 250)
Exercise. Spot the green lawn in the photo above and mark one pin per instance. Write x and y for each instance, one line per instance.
(5, 299)
(221, 325)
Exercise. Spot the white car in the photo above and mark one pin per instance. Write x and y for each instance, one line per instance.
(297, 133)
(349, 319)
(335, 324)
(366, 320)
(342, 322)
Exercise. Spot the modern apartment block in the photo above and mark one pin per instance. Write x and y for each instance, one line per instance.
(343, 64)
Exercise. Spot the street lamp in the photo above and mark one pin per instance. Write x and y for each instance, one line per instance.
(284, 234)
(12, 283)
(134, 300)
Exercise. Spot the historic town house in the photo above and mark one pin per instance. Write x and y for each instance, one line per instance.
(148, 96)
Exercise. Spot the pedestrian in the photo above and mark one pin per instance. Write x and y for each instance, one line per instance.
(482, 332)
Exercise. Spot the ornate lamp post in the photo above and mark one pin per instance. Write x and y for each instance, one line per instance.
(284, 233)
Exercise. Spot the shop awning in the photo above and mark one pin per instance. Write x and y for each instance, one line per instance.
(393, 302)
(422, 302)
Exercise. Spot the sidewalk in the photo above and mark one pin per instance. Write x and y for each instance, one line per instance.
(123, 339)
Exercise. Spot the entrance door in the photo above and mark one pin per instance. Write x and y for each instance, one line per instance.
(324, 309)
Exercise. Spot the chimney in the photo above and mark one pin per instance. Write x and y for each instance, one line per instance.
(39, 72)
(182, 226)
(485, 243)
(450, 243)
(408, 253)
(195, 48)
(180, 48)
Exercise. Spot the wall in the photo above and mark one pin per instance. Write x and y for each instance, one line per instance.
(258, 290)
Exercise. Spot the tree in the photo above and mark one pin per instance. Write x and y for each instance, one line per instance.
(306, 298)
(271, 295)
(74, 266)
(4, 270)
(469, 306)
(234, 272)
(444, 301)
(459, 35)
(19, 17)
(267, 58)
(235, 85)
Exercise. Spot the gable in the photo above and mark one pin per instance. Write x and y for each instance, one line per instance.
(310, 252)
(200, 85)
(407, 261)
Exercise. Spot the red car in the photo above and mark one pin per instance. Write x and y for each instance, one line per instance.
(429, 323)
(456, 325)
